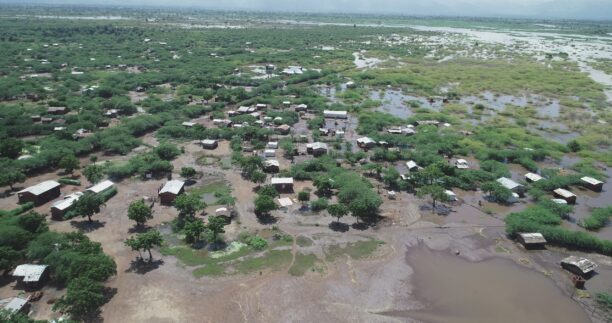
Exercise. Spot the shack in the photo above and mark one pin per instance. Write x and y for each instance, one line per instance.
(317, 148)
(14, 305)
(283, 129)
(462, 164)
(450, 195)
(512, 185)
(269, 153)
(170, 191)
(301, 107)
(532, 240)
(40, 193)
(209, 143)
(592, 183)
(57, 110)
(532, 178)
(59, 208)
(272, 145)
(101, 187)
(271, 166)
(188, 124)
(30, 274)
(578, 265)
(331, 114)
(566, 195)
(412, 166)
(282, 184)
(366, 142)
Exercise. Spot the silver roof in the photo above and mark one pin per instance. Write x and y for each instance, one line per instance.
(41, 188)
(173, 186)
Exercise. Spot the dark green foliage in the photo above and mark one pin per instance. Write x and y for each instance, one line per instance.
(598, 219)
(83, 297)
(319, 204)
(145, 241)
(167, 151)
(87, 205)
(93, 173)
(69, 181)
(188, 205)
(139, 212)
(264, 204)
(10, 147)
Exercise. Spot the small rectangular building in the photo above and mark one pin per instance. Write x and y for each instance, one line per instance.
(209, 143)
(566, 195)
(271, 166)
(59, 208)
(512, 185)
(101, 187)
(188, 124)
(366, 142)
(57, 110)
(272, 145)
(532, 240)
(532, 178)
(30, 274)
(14, 305)
(412, 166)
(316, 148)
(462, 164)
(40, 193)
(282, 184)
(283, 129)
(170, 191)
(578, 265)
(270, 153)
(592, 183)
(450, 195)
(331, 114)
(301, 107)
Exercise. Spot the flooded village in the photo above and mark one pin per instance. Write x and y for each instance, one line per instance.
(174, 166)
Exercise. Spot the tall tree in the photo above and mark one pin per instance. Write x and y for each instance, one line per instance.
(69, 163)
(11, 174)
(264, 204)
(83, 297)
(193, 230)
(435, 192)
(94, 173)
(88, 205)
(337, 211)
(145, 241)
(139, 212)
(215, 225)
(10, 147)
(188, 204)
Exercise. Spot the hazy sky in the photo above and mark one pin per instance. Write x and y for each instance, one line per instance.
(584, 9)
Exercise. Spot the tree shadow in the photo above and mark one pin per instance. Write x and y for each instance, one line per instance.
(219, 245)
(10, 192)
(339, 226)
(139, 229)
(266, 219)
(361, 226)
(6, 278)
(141, 266)
(87, 226)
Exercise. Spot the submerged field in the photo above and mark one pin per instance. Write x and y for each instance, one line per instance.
(367, 232)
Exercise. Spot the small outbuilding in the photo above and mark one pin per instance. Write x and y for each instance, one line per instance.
(316, 148)
(283, 129)
(270, 153)
(14, 305)
(532, 240)
(57, 110)
(31, 274)
(450, 195)
(301, 107)
(272, 145)
(332, 114)
(209, 143)
(188, 124)
(170, 191)
(101, 187)
(282, 184)
(412, 166)
(462, 164)
(271, 166)
(59, 208)
(592, 183)
(366, 142)
(40, 193)
(578, 265)
(512, 185)
(532, 177)
(566, 195)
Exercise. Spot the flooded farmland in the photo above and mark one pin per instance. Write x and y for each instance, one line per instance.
(456, 290)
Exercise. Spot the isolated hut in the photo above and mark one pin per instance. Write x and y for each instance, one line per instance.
(592, 183)
(40, 193)
(412, 166)
(170, 191)
(578, 265)
(209, 143)
(301, 107)
(282, 184)
(566, 195)
(269, 152)
(283, 129)
(59, 208)
(532, 240)
(532, 178)
(188, 124)
(31, 274)
(450, 195)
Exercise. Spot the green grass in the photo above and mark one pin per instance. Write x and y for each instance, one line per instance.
(355, 250)
(273, 259)
(218, 188)
(210, 270)
(303, 241)
(302, 264)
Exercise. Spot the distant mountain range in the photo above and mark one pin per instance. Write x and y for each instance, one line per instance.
(572, 9)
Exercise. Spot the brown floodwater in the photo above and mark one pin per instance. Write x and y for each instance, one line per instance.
(456, 290)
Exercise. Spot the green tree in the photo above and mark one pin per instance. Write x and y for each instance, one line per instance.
(139, 212)
(69, 163)
(497, 191)
(435, 192)
(188, 204)
(145, 241)
(319, 204)
(88, 205)
(10, 147)
(304, 197)
(11, 174)
(391, 176)
(193, 230)
(337, 210)
(216, 226)
(84, 296)
(167, 151)
(268, 190)
(324, 185)
(188, 173)
(258, 177)
(264, 204)
(93, 173)
(288, 148)
(8, 258)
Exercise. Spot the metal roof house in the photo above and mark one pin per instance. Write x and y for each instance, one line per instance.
(566, 195)
(57, 110)
(412, 166)
(532, 240)
(450, 195)
(282, 184)
(59, 208)
(366, 142)
(317, 148)
(592, 183)
(532, 178)
(188, 124)
(331, 114)
(170, 191)
(578, 265)
(40, 193)
(101, 187)
(462, 164)
(14, 305)
(209, 143)
(30, 274)
(512, 185)
(301, 107)
(271, 166)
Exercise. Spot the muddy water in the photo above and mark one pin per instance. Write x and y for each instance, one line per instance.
(498, 290)
(396, 103)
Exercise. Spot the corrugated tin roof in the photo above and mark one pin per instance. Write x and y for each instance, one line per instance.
(271, 162)
(591, 180)
(535, 237)
(281, 180)
(67, 201)
(101, 187)
(29, 272)
(173, 186)
(508, 183)
(533, 177)
(411, 164)
(208, 142)
(41, 188)
(583, 264)
(564, 193)
(15, 304)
